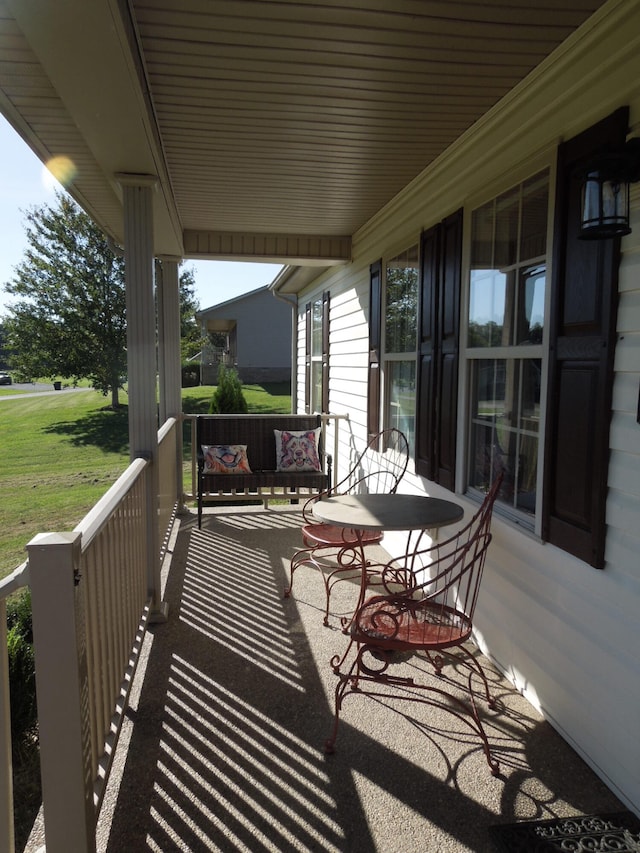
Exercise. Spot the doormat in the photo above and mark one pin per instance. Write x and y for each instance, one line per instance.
(602, 833)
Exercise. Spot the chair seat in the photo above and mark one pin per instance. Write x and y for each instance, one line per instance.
(402, 623)
(328, 534)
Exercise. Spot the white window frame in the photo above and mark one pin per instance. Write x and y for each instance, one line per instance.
(468, 354)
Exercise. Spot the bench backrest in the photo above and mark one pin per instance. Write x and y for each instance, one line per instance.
(256, 431)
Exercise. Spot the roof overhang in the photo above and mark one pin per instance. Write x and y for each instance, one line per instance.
(275, 131)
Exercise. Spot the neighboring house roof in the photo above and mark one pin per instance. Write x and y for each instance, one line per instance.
(242, 298)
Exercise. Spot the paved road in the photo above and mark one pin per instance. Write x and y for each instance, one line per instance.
(33, 389)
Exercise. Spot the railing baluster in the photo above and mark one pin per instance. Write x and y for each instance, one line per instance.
(7, 840)
(18, 579)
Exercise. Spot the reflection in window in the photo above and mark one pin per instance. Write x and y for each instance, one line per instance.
(505, 422)
(401, 314)
(401, 396)
(507, 282)
(316, 355)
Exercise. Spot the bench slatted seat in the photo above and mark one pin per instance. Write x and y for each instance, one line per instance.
(257, 432)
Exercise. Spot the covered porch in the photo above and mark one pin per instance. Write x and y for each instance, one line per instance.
(222, 743)
(320, 137)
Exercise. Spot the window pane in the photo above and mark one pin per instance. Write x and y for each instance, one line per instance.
(316, 328)
(401, 398)
(487, 295)
(505, 428)
(401, 302)
(530, 305)
(316, 386)
(535, 202)
(482, 222)
(506, 241)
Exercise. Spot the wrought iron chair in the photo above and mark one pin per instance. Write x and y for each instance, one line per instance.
(432, 614)
(336, 552)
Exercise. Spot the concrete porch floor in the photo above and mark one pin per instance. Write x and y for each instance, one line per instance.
(222, 746)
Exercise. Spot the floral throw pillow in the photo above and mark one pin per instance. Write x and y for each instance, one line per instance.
(225, 459)
(297, 451)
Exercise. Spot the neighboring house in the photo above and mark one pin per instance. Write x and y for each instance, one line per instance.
(258, 331)
(474, 318)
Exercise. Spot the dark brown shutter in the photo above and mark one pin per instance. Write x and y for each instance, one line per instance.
(307, 359)
(449, 334)
(582, 338)
(375, 333)
(427, 343)
(438, 346)
(325, 351)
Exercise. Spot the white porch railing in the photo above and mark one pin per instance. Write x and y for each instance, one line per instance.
(18, 579)
(90, 602)
(169, 460)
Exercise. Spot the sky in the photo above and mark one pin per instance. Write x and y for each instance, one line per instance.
(24, 182)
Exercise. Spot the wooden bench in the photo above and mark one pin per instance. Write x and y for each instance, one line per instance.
(264, 483)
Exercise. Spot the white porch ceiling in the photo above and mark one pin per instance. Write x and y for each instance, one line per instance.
(276, 128)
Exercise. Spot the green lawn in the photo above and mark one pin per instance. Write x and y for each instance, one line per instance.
(61, 452)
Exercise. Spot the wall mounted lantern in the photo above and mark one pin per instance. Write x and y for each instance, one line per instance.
(605, 192)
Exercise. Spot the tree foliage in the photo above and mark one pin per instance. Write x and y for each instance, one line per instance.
(70, 317)
(190, 337)
(401, 309)
(228, 397)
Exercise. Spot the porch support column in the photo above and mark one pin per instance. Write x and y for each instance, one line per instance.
(169, 356)
(137, 193)
(168, 286)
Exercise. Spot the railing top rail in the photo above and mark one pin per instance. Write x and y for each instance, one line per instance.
(97, 517)
(166, 428)
(273, 415)
(18, 578)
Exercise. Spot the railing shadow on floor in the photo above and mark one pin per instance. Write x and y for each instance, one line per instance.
(224, 737)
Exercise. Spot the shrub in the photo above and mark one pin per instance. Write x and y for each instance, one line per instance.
(228, 397)
(190, 374)
(22, 671)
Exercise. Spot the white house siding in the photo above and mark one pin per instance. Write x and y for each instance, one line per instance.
(567, 634)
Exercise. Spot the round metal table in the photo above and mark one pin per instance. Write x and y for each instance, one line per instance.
(357, 513)
(387, 512)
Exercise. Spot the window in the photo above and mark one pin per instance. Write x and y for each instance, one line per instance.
(506, 325)
(556, 483)
(400, 327)
(317, 354)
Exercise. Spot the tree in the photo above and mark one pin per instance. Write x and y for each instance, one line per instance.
(191, 341)
(70, 320)
(228, 397)
(71, 317)
(4, 348)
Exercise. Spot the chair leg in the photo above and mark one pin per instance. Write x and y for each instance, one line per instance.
(305, 556)
(345, 558)
(347, 683)
(473, 665)
(361, 674)
(300, 557)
